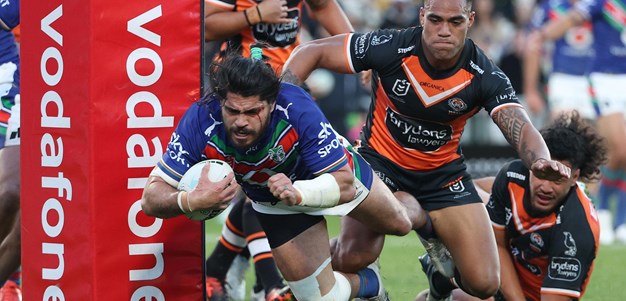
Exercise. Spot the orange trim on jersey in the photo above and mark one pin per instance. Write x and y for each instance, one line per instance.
(346, 49)
(506, 105)
(412, 159)
(232, 228)
(262, 256)
(432, 91)
(229, 246)
(256, 235)
(594, 224)
(524, 223)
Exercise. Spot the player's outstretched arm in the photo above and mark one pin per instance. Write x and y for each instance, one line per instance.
(526, 140)
(222, 22)
(323, 53)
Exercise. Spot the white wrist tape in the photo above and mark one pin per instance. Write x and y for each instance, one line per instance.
(179, 199)
(321, 192)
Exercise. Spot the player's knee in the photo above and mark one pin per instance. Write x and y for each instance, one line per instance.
(308, 289)
(353, 260)
(400, 226)
(484, 286)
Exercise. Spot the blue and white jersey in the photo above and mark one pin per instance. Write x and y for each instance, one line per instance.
(575, 46)
(299, 142)
(9, 18)
(609, 28)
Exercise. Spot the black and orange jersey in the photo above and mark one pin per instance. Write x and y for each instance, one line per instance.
(418, 113)
(552, 254)
(280, 39)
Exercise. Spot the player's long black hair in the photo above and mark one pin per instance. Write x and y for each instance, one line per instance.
(243, 76)
(572, 139)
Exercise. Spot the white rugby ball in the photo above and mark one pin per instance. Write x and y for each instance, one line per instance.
(218, 171)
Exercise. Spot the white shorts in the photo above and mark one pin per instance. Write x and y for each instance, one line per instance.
(13, 128)
(610, 92)
(281, 208)
(570, 92)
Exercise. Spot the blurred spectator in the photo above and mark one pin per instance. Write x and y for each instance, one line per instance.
(491, 31)
(401, 14)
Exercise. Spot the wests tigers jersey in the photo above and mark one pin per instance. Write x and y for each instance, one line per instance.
(299, 142)
(281, 39)
(418, 113)
(552, 254)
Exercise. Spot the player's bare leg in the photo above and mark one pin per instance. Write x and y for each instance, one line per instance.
(466, 231)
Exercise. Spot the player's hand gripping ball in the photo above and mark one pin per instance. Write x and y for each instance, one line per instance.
(218, 171)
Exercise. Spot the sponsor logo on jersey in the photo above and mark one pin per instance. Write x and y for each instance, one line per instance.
(176, 151)
(515, 175)
(405, 50)
(476, 67)
(458, 106)
(565, 269)
(285, 110)
(579, 37)
(417, 134)
(432, 86)
(324, 151)
(324, 132)
(401, 87)
(379, 40)
(277, 154)
(280, 34)
(361, 45)
(570, 244)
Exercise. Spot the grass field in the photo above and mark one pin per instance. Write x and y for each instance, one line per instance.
(403, 277)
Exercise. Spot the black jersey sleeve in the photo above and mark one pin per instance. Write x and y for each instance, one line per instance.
(496, 88)
(496, 207)
(381, 50)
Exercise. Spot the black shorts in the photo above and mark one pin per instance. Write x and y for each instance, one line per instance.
(446, 186)
(280, 229)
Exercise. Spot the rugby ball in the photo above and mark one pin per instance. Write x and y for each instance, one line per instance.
(218, 171)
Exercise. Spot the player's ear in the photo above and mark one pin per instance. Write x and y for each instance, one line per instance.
(574, 175)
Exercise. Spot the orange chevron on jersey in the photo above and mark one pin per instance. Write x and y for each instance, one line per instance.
(439, 141)
(432, 91)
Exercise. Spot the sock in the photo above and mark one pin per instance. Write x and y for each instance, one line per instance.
(260, 250)
(231, 243)
(369, 284)
(426, 231)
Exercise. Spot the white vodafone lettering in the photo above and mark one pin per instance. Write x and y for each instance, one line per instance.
(52, 153)
(138, 149)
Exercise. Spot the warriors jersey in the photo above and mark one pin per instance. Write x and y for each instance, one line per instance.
(418, 113)
(9, 63)
(299, 142)
(9, 18)
(280, 39)
(609, 30)
(576, 44)
(554, 253)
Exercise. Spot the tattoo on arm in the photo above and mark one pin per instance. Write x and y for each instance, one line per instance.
(291, 78)
(511, 122)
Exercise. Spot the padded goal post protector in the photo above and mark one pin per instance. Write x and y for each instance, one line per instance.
(104, 84)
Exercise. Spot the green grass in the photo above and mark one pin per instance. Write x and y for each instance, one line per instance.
(403, 277)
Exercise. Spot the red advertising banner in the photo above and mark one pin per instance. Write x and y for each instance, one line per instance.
(103, 85)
